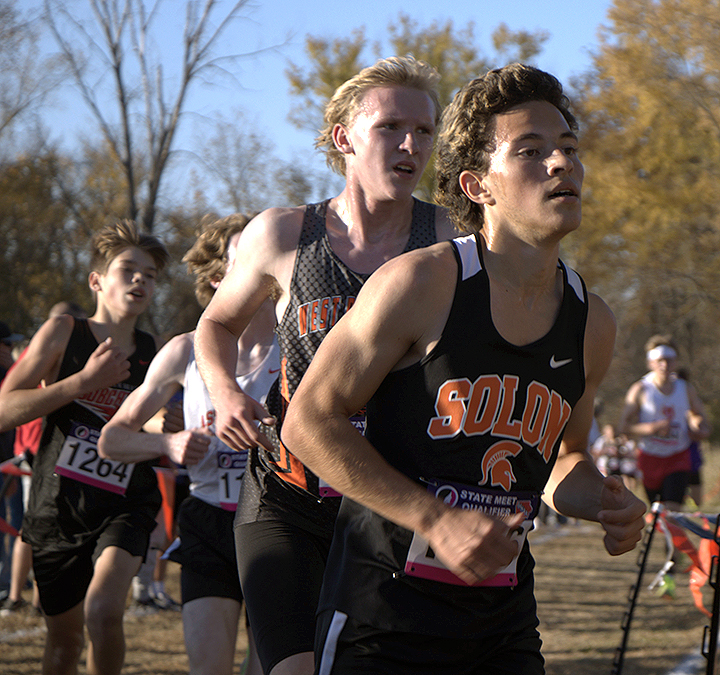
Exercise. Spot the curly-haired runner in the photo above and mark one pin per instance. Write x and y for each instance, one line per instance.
(478, 361)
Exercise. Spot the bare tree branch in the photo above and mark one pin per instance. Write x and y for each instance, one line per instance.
(25, 79)
(120, 42)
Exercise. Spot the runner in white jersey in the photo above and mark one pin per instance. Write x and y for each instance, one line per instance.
(215, 479)
(674, 407)
(665, 414)
(211, 593)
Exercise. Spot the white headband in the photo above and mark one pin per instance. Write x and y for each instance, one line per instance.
(661, 352)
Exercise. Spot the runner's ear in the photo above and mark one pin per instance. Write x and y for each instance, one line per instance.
(341, 139)
(94, 281)
(472, 184)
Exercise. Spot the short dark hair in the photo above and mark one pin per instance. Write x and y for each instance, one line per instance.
(467, 134)
(112, 240)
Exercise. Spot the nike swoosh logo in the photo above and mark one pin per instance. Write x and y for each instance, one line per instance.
(558, 364)
(273, 371)
(143, 363)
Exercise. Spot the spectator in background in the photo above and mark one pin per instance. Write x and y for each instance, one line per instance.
(616, 455)
(8, 339)
(628, 454)
(604, 449)
(10, 496)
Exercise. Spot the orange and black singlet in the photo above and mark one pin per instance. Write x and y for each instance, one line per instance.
(322, 289)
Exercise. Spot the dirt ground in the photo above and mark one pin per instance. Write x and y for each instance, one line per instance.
(582, 598)
(582, 594)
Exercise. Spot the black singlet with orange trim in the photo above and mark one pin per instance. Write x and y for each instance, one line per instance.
(322, 289)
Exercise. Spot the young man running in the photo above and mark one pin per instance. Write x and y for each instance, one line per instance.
(211, 594)
(88, 520)
(478, 361)
(665, 414)
(379, 132)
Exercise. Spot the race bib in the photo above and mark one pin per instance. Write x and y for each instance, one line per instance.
(231, 467)
(79, 460)
(671, 436)
(421, 561)
(359, 421)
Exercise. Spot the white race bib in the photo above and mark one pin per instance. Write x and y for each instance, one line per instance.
(231, 467)
(79, 460)
(421, 561)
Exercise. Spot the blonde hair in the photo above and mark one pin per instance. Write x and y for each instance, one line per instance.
(112, 240)
(402, 71)
(207, 258)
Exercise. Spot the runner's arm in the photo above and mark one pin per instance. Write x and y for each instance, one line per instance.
(121, 438)
(576, 488)
(629, 419)
(21, 397)
(698, 424)
(268, 241)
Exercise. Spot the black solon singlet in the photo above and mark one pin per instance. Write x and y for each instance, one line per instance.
(478, 421)
(63, 512)
(322, 289)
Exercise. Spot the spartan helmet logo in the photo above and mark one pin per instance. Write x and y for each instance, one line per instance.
(496, 467)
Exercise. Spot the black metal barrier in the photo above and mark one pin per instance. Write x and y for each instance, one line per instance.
(634, 590)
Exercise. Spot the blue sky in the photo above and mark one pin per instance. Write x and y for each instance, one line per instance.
(277, 30)
(572, 27)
